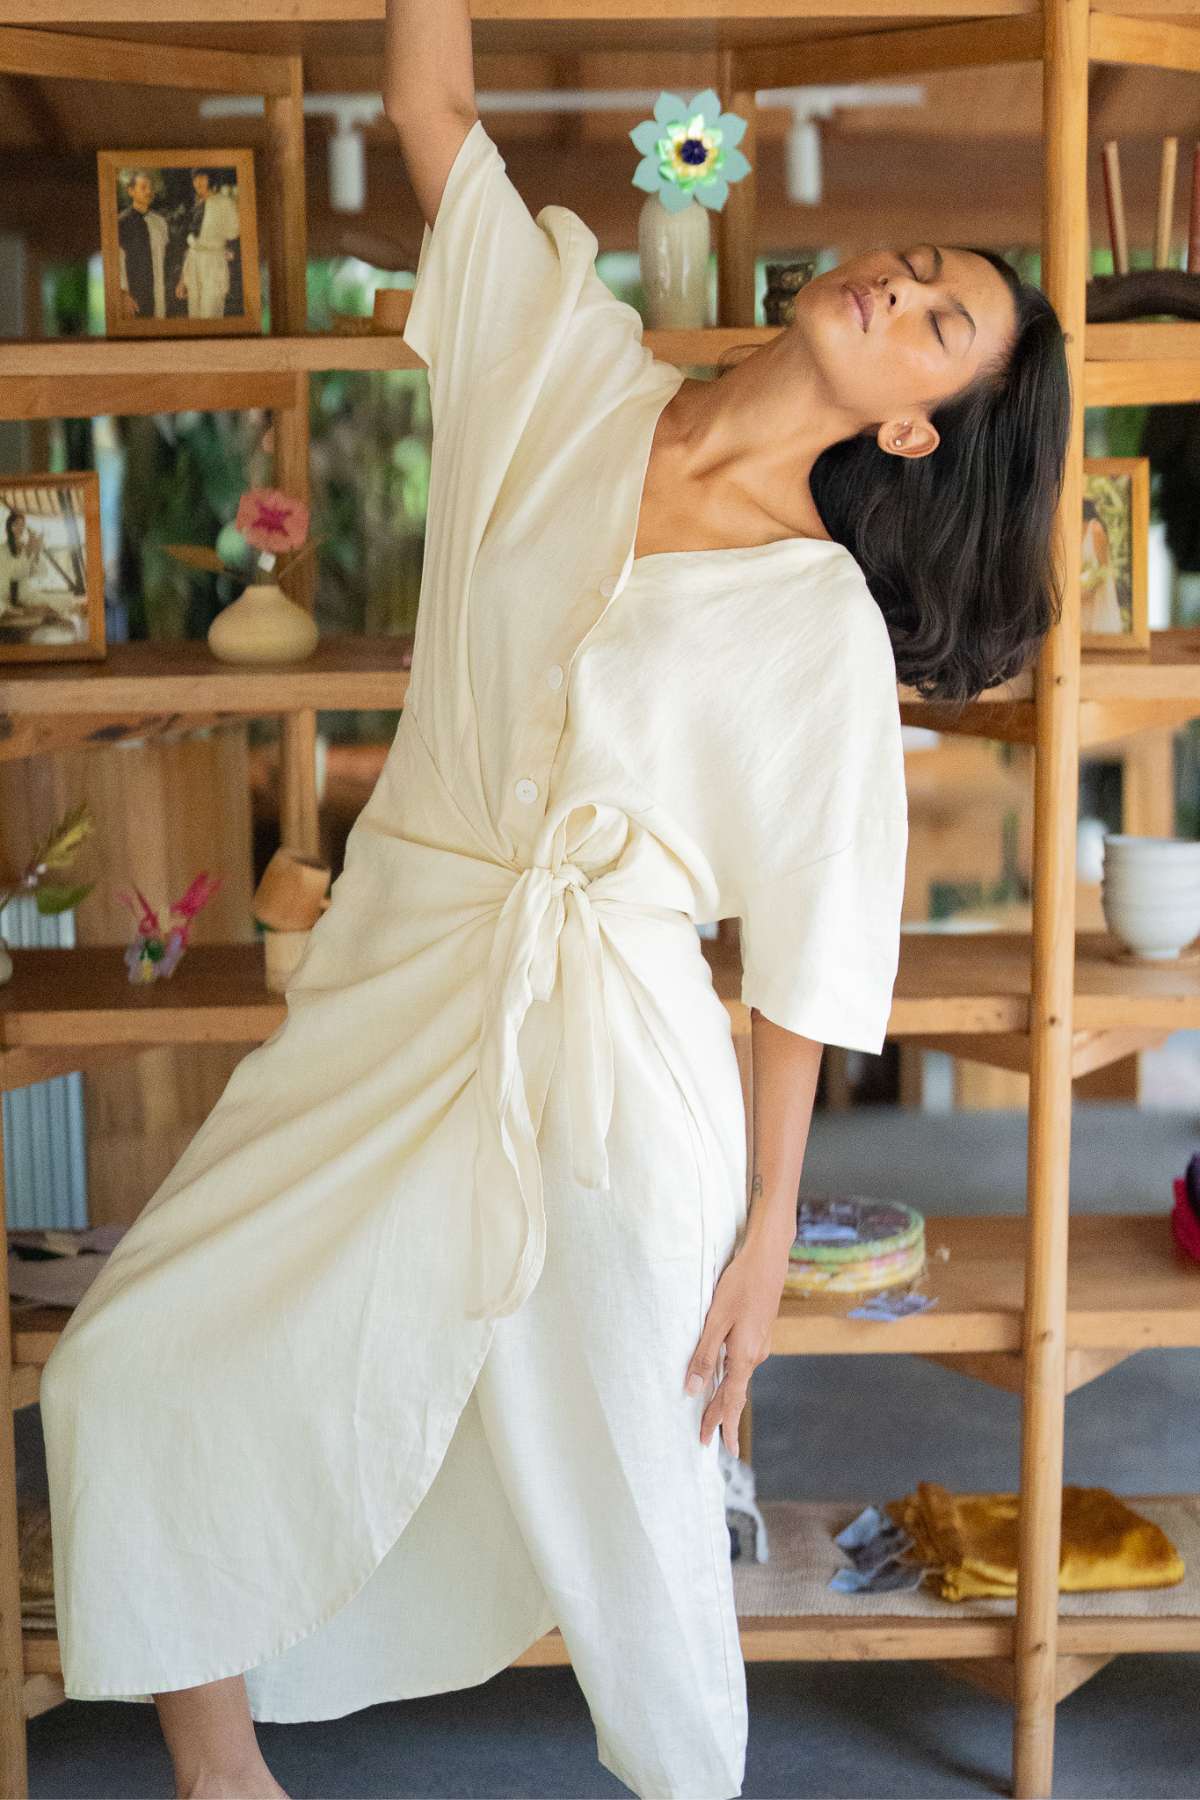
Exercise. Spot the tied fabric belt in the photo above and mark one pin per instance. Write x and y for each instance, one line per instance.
(549, 920)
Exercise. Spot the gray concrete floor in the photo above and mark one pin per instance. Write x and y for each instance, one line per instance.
(834, 1427)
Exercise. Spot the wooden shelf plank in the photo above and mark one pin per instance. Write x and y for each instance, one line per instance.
(957, 983)
(359, 671)
(46, 374)
(184, 676)
(952, 983)
(802, 1557)
(1168, 670)
(1171, 381)
(81, 997)
(1128, 1289)
(1116, 995)
(1165, 340)
(1147, 43)
(274, 24)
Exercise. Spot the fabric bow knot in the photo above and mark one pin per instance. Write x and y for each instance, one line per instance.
(537, 935)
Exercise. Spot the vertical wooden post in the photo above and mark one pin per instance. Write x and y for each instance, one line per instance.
(288, 256)
(1056, 794)
(14, 1774)
(737, 240)
(736, 235)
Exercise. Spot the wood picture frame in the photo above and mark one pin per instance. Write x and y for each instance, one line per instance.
(51, 568)
(179, 277)
(1114, 603)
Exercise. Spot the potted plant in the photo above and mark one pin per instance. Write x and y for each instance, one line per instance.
(263, 625)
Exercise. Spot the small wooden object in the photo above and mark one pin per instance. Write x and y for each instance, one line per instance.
(391, 308)
(1116, 207)
(1166, 202)
(1193, 249)
(291, 895)
(282, 953)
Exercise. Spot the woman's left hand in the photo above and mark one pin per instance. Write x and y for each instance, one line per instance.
(742, 1314)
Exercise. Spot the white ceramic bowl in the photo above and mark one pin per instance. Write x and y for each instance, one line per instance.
(1150, 852)
(1153, 930)
(1152, 884)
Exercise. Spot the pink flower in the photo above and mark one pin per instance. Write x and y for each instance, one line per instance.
(272, 521)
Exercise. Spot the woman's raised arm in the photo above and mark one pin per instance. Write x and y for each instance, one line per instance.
(429, 89)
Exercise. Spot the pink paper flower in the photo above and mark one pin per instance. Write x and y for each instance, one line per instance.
(272, 521)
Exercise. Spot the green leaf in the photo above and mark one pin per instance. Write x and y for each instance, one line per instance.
(53, 898)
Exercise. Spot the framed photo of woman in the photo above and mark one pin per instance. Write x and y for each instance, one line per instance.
(1114, 603)
(179, 242)
(51, 568)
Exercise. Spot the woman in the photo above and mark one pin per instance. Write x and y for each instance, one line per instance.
(20, 559)
(423, 1348)
(1100, 601)
(30, 614)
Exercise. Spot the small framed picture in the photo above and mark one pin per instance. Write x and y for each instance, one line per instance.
(179, 240)
(51, 568)
(1114, 602)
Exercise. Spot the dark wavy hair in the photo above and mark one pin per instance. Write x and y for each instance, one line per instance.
(957, 546)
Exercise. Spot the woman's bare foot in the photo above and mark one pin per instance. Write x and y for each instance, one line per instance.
(255, 1784)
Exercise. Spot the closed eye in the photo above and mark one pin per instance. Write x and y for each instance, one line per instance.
(937, 330)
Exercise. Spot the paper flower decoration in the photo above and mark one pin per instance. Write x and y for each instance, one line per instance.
(57, 850)
(689, 152)
(272, 522)
(153, 951)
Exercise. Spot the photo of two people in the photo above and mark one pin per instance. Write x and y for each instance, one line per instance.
(180, 242)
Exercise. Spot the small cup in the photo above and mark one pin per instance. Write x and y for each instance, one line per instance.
(282, 953)
(390, 309)
(291, 894)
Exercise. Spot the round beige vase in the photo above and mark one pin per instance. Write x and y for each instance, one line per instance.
(264, 626)
(673, 250)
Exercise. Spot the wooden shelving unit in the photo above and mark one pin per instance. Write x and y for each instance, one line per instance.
(1038, 1302)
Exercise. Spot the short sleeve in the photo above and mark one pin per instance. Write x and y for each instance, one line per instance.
(822, 884)
(821, 946)
(488, 275)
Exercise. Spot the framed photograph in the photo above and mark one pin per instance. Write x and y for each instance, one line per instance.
(179, 240)
(1114, 603)
(51, 568)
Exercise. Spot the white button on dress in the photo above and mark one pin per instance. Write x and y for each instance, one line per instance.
(608, 586)
(554, 676)
(526, 790)
(419, 1296)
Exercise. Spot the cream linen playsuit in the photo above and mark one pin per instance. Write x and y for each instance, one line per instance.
(386, 1380)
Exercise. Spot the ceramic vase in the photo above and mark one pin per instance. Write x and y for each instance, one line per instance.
(263, 626)
(673, 249)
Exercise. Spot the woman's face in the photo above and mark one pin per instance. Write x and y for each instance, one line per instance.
(895, 333)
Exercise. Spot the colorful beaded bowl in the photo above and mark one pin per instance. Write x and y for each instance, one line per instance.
(848, 1244)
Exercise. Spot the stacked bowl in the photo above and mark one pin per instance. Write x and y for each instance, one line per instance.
(1150, 892)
